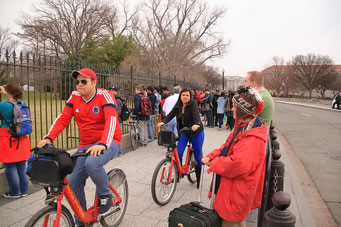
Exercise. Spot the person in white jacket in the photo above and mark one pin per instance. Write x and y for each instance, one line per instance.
(168, 106)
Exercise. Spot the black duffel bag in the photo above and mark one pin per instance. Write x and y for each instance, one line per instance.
(50, 166)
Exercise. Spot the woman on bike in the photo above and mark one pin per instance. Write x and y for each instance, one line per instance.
(13, 156)
(240, 162)
(187, 114)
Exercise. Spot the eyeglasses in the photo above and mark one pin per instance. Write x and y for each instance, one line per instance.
(84, 82)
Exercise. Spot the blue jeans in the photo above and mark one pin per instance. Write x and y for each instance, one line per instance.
(220, 119)
(91, 166)
(209, 118)
(150, 128)
(197, 143)
(173, 127)
(16, 176)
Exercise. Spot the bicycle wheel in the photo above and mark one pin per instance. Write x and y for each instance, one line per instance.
(47, 215)
(162, 191)
(191, 176)
(118, 180)
(133, 137)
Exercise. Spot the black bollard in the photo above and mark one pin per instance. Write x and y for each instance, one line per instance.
(273, 134)
(274, 145)
(279, 216)
(276, 176)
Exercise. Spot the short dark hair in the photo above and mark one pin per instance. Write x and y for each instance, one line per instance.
(150, 89)
(157, 89)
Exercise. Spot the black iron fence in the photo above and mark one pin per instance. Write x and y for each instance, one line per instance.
(47, 84)
(275, 201)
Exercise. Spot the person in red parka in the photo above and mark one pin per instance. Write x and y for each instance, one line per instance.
(240, 166)
(13, 151)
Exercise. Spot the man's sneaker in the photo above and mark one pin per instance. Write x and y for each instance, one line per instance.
(24, 195)
(9, 196)
(105, 202)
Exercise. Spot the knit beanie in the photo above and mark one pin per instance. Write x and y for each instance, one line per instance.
(248, 101)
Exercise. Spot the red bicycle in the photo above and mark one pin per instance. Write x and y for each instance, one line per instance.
(55, 214)
(169, 170)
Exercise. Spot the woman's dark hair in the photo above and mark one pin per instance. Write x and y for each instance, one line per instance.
(179, 102)
(14, 90)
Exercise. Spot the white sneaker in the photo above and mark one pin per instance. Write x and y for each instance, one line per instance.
(9, 196)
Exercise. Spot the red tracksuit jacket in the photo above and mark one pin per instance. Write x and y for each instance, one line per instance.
(97, 119)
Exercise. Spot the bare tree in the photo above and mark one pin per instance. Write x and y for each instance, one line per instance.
(178, 34)
(309, 70)
(275, 74)
(277, 77)
(4, 39)
(326, 84)
(335, 86)
(64, 26)
(7, 49)
(118, 17)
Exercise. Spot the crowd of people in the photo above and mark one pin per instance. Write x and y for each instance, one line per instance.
(239, 163)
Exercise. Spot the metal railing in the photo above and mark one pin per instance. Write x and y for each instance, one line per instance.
(47, 84)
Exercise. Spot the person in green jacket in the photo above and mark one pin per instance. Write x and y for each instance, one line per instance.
(256, 79)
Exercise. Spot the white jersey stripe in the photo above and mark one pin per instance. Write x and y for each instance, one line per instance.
(107, 96)
(111, 130)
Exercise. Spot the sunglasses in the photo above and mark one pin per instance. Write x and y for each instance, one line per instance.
(84, 82)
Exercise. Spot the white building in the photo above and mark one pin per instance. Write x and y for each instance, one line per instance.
(233, 82)
(28, 88)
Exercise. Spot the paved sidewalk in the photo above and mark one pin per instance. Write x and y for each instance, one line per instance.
(142, 211)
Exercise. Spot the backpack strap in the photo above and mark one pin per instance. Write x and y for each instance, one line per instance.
(10, 141)
(9, 125)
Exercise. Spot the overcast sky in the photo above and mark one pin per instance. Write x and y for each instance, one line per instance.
(257, 30)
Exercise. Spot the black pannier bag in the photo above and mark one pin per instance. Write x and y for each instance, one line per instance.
(50, 166)
(193, 214)
(166, 138)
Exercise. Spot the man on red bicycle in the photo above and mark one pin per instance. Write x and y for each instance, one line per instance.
(95, 113)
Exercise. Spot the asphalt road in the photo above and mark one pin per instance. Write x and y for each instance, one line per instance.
(315, 136)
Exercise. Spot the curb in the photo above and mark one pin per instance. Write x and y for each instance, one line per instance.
(307, 105)
(305, 213)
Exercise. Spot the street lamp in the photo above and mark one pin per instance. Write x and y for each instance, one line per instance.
(223, 71)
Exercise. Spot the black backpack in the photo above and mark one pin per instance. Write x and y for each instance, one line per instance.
(125, 111)
(50, 165)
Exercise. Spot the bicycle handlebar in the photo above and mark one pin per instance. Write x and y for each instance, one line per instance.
(83, 153)
(37, 150)
(182, 131)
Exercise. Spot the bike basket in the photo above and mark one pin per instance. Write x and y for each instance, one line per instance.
(166, 138)
(45, 172)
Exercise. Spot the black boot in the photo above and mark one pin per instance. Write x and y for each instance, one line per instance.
(198, 174)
